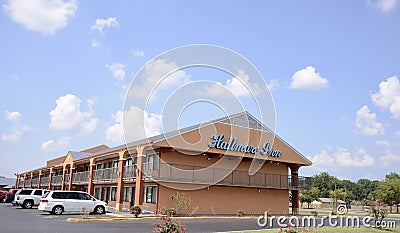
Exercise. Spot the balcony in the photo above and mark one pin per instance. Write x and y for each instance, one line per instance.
(21, 183)
(105, 175)
(66, 181)
(35, 182)
(195, 175)
(129, 173)
(28, 183)
(56, 180)
(80, 177)
(44, 181)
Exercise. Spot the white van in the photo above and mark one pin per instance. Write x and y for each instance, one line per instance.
(57, 202)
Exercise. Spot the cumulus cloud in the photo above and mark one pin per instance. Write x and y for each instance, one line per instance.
(384, 5)
(60, 144)
(45, 16)
(12, 116)
(388, 96)
(18, 129)
(328, 160)
(100, 24)
(308, 78)
(154, 78)
(95, 44)
(388, 90)
(389, 159)
(240, 86)
(67, 115)
(136, 118)
(367, 122)
(117, 70)
(138, 53)
(383, 143)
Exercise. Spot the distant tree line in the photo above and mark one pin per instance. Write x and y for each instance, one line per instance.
(361, 192)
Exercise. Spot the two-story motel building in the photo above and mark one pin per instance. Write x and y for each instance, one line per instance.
(146, 172)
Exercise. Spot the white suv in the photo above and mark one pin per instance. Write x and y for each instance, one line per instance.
(57, 202)
(27, 198)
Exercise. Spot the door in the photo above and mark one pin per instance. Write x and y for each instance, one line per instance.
(133, 196)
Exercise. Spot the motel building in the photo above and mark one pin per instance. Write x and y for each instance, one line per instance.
(241, 169)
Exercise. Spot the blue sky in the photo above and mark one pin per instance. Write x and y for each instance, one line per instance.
(332, 67)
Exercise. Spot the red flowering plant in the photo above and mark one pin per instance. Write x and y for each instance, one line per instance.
(378, 211)
(170, 225)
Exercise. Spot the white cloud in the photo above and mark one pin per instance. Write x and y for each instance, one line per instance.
(398, 133)
(138, 53)
(100, 24)
(95, 44)
(367, 123)
(383, 143)
(117, 70)
(89, 126)
(328, 161)
(395, 108)
(389, 159)
(67, 115)
(154, 75)
(45, 16)
(137, 117)
(357, 159)
(273, 84)
(388, 90)
(51, 145)
(12, 116)
(237, 85)
(384, 5)
(17, 129)
(308, 78)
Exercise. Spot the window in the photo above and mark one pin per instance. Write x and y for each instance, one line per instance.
(58, 195)
(84, 196)
(115, 167)
(97, 193)
(71, 195)
(38, 193)
(127, 193)
(98, 166)
(151, 194)
(113, 194)
(25, 192)
(128, 162)
(153, 161)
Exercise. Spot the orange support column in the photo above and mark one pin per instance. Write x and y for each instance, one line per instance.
(91, 173)
(24, 181)
(139, 180)
(39, 178)
(120, 188)
(295, 191)
(50, 179)
(30, 178)
(71, 177)
(63, 178)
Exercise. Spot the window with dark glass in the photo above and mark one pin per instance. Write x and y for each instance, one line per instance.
(151, 194)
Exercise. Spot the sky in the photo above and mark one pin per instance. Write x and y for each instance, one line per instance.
(332, 68)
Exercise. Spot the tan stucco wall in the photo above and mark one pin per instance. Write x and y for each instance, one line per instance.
(226, 200)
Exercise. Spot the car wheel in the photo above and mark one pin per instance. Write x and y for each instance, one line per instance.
(58, 210)
(99, 209)
(27, 204)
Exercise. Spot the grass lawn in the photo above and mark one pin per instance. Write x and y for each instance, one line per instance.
(337, 230)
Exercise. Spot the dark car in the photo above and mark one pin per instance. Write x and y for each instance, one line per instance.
(10, 196)
(3, 195)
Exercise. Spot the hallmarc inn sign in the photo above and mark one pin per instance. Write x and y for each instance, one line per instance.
(232, 145)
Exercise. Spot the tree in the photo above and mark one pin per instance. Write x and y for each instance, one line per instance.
(324, 182)
(336, 195)
(388, 191)
(308, 196)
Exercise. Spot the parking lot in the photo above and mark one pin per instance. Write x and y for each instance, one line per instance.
(16, 219)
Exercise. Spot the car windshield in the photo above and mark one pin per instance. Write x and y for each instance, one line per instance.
(46, 193)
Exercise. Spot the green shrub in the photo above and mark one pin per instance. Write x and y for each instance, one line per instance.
(315, 213)
(240, 212)
(136, 210)
(170, 211)
(170, 225)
